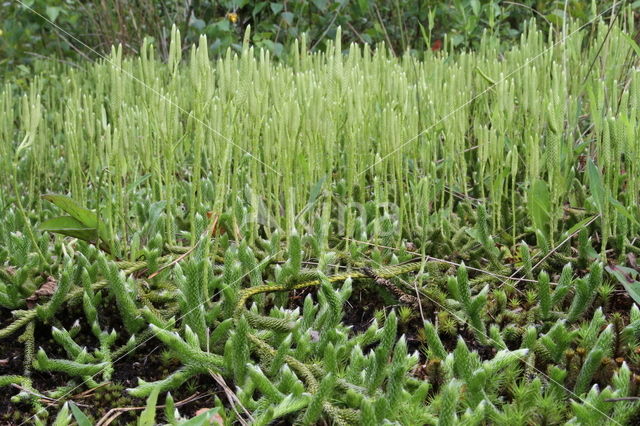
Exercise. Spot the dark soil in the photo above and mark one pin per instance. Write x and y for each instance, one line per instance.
(146, 363)
(150, 363)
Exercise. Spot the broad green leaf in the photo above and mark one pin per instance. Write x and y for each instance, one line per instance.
(67, 225)
(472, 232)
(83, 215)
(622, 210)
(276, 7)
(599, 193)
(575, 228)
(53, 12)
(626, 277)
(258, 8)
(155, 210)
(288, 17)
(540, 205)
(632, 43)
(81, 418)
(70, 206)
(316, 189)
(137, 183)
(320, 4)
(475, 7)
(597, 187)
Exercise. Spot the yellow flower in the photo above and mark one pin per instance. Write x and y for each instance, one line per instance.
(233, 17)
(1, 32)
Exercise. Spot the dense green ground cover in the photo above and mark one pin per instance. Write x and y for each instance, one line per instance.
(349, 238)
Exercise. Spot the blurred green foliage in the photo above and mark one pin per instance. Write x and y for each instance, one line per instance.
(69, 30)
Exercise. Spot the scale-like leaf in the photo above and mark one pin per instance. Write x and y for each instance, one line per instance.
(148, 416)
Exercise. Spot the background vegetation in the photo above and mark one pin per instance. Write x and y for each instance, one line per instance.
(319, 232)
(84, 29)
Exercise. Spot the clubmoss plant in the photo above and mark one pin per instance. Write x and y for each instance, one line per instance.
(281, 226)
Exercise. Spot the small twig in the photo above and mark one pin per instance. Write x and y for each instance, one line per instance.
(29, 391)
(555, 248)
(472, 148)
(309, 262)
(384, 29)
(88, 392)
(114, 413)
(403, 297)
(48, 58)
(415, 288)
(606, 37)
(233, 399)
(476, 202)
(109, 417)
(623, 398)
(356, 33)
(146, 358)
(530, 8)
(448, 262)
(324, 33)
(178, 259)
(187, 253)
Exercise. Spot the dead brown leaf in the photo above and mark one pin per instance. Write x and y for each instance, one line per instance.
(46, 290)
